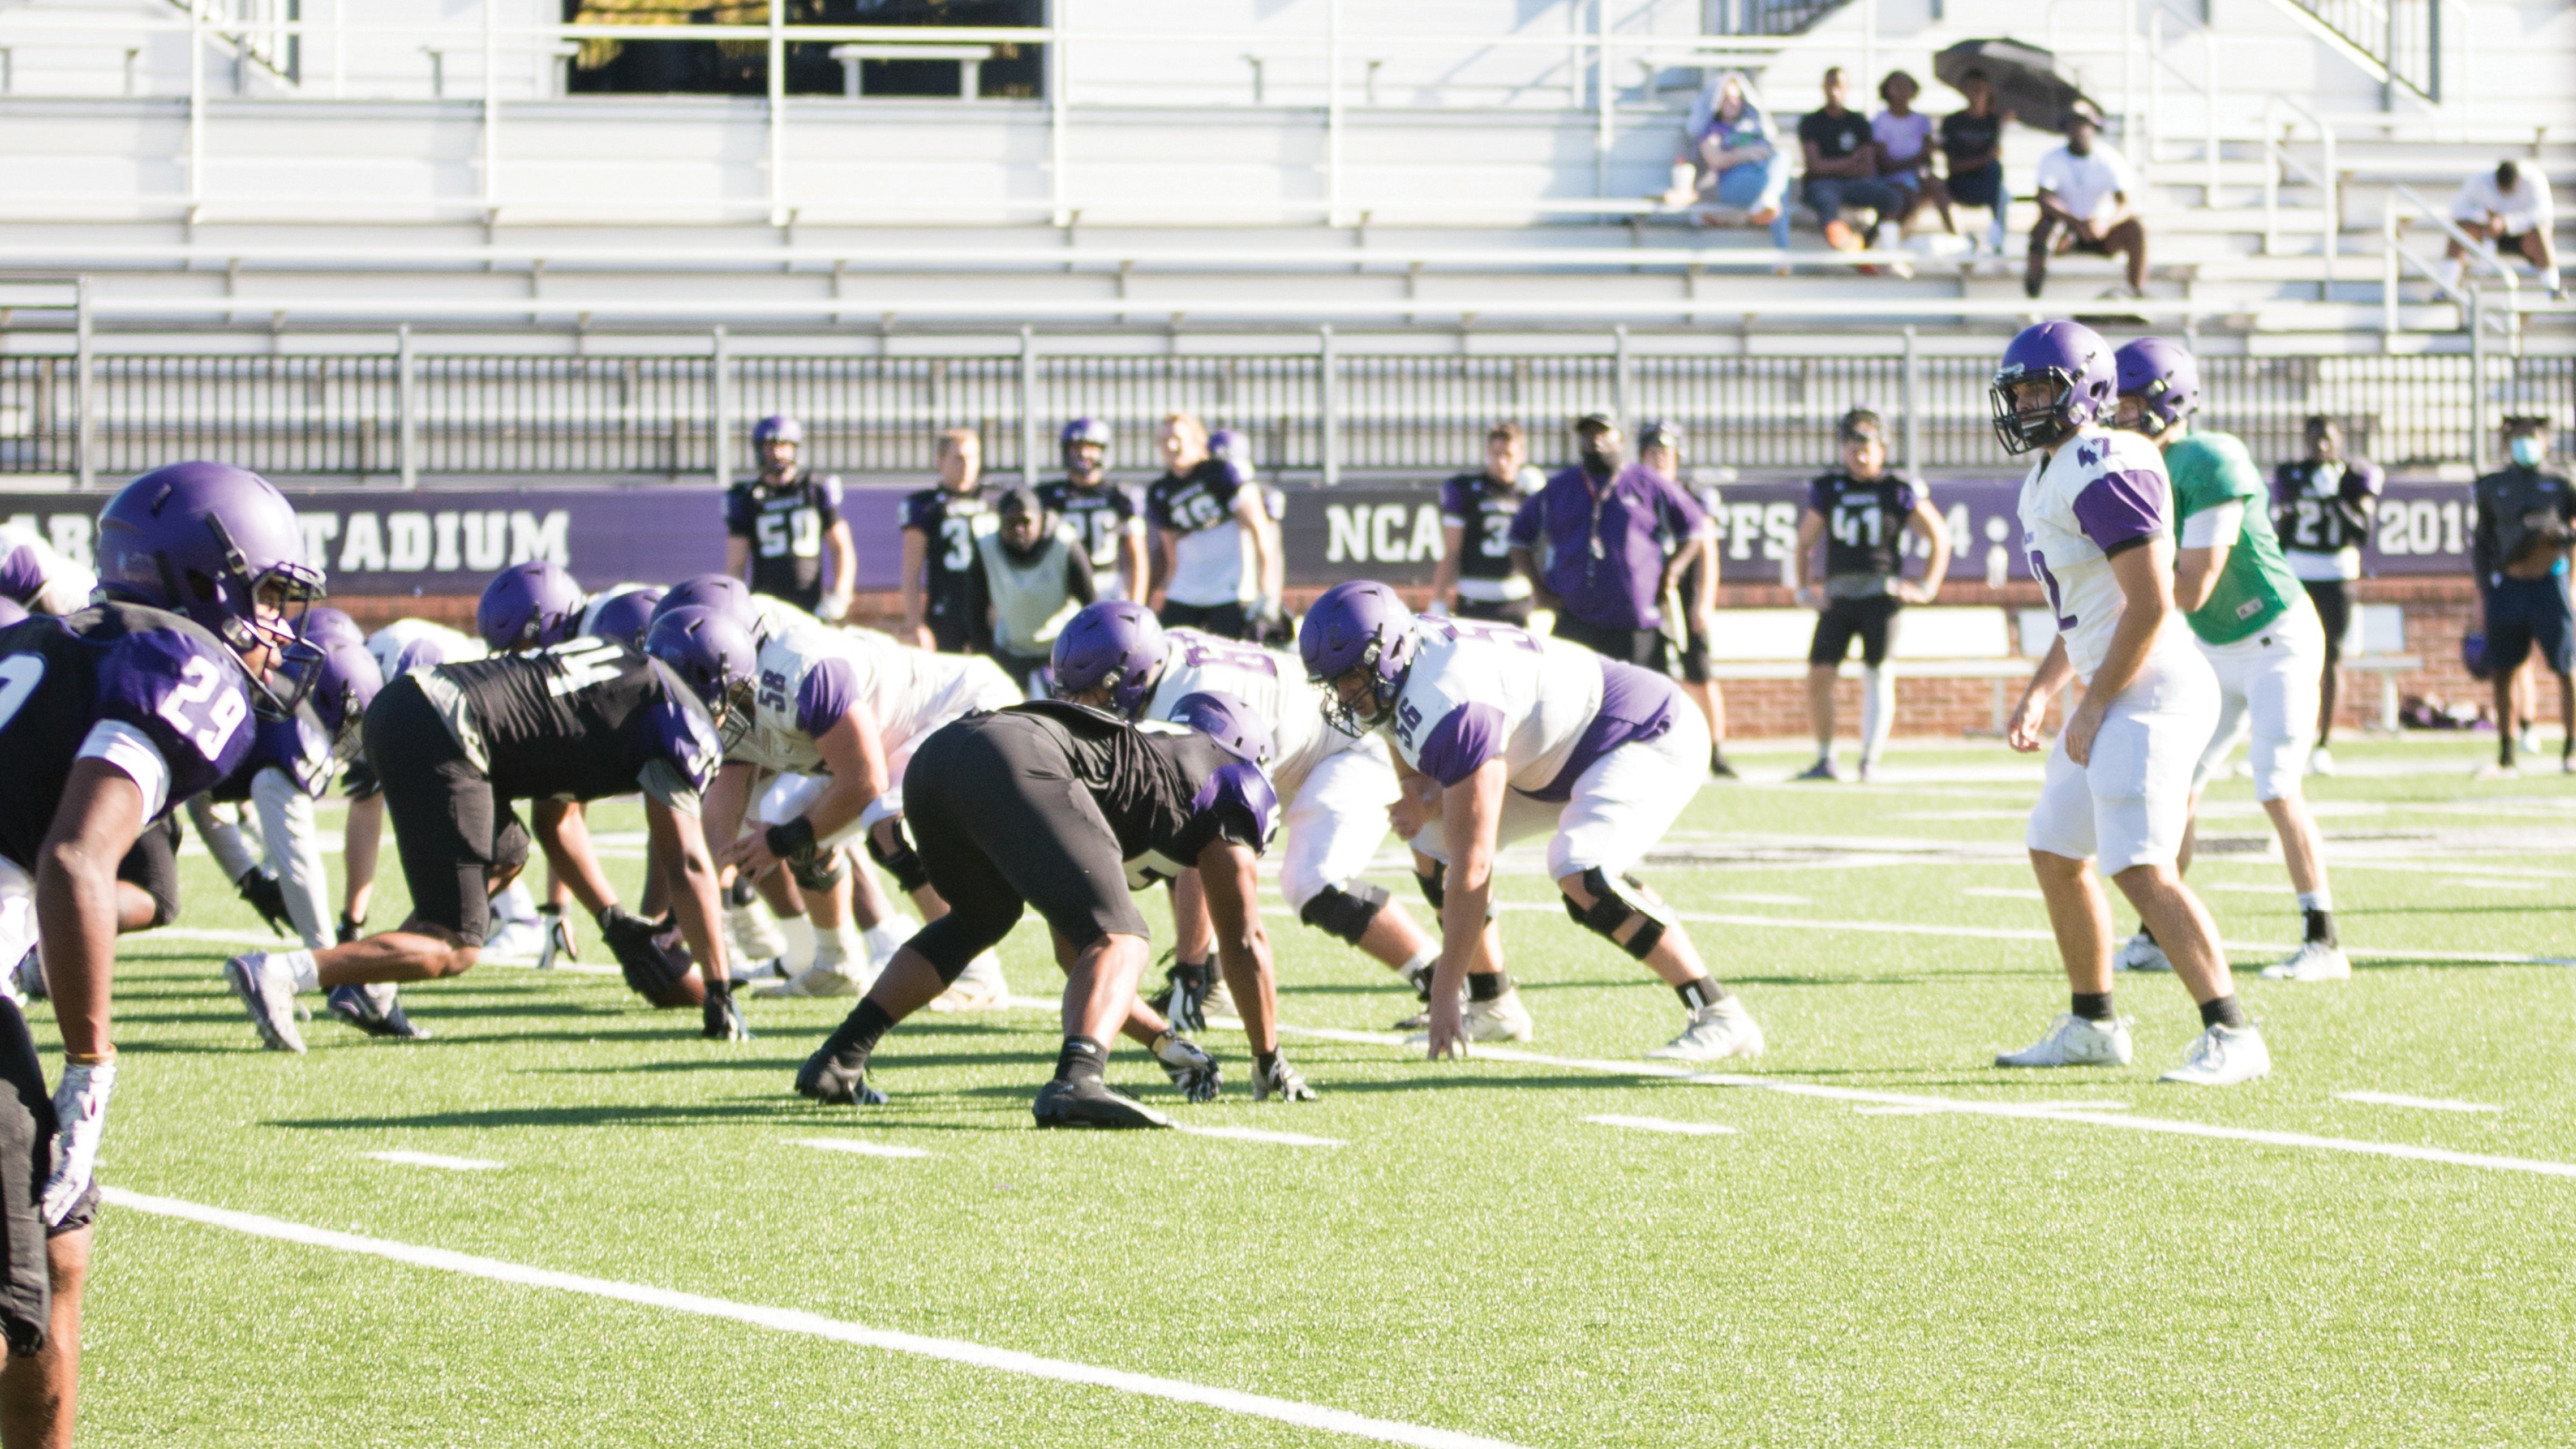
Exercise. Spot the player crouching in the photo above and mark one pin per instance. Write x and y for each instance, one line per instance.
(1054, 805)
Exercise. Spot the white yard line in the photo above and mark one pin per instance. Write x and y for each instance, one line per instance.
(856, 1147)
(432, 1159)
(2003, 893)
(2429, 1104)
(1664, 1124)
(1256, 1134)
(815, 1325)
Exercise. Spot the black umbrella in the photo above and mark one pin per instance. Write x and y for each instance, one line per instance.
(2025, 79)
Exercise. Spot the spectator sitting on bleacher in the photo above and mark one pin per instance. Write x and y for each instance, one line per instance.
(2509, 210)
(1904, 137)
(1842, 169)
(2084, 206)
(1972, 147)
(1731, 145)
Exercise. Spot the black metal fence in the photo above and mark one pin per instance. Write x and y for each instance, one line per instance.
(645, 418)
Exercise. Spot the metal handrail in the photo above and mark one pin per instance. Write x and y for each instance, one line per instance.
(2394, 257)
(2277, 156)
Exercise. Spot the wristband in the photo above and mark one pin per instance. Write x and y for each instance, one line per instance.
(792, 842)
(90, 1059)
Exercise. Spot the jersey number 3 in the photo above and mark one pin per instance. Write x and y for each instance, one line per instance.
(202, 707)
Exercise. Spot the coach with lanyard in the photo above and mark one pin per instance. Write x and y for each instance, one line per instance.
(1613, 536)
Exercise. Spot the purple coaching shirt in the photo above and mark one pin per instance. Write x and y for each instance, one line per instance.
(1606, 547)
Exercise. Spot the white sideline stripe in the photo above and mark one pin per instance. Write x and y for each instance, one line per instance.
(432, 1159)
(815, 1325)
(1664, 1124)
(856, 1147)
(2429, 1104)
(2003, 893)
(1255, 1134)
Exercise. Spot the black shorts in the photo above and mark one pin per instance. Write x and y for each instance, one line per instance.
(1515, 612)
(2333, 598)
(153, 864)
(1226, 621)
(1645, 648)
(2523, 613)
(1872, 619)
(26, 1159)
(1001, 826)
(1983, 186)
(453, 831)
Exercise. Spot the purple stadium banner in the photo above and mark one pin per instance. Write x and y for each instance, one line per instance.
(377, 542)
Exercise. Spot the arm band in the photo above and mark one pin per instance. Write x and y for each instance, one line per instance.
(792, 842)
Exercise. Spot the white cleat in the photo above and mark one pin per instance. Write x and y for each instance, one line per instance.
(1715, 1033)
(753, 933)
(979, 987)
(2074, 1042)
(1220, 1002)
(2222, 1057)
(517, 938)
(2315, 961)
(2141, 954)
(268, 994)
(814, 981)
(1502, 1019)
(2321, 761)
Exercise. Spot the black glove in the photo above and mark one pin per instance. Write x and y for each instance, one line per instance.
(722, 1019)
(652, 971)
(267, 897)
(1184, 1001)
(351, 928)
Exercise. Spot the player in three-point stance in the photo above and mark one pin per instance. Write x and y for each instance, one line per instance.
(110, 718)
(2254, 624)
(1501, 735)
(2097, 524)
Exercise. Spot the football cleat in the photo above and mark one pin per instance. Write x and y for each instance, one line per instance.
(269, 996)
(2223, 1056)
(1716, 1032)
(28, 976)
(814, 981)
(2141, 953)
(1283, 1081)
(1502, 1019)
(772, 969)
(2314, 961)
(837, 1081)
(979, 987)
(751, 932)
(1189, 1066)
(1869, 772)
(376, 1010)
(1822, 769)
(1091, 1104)
(2074, 1042)
(1418, 1021)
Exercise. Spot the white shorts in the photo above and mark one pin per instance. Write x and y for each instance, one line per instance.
(2269, 686)
(2130, 805)
(1335, 820)
(1621, 806)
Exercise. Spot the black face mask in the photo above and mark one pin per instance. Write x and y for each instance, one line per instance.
(1600, 459)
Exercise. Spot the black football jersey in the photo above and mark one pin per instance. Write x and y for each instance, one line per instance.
(1164, 790)
(299, 746)
(785, 524)
(950, 523)
(1202, 499)
(1864, 523)
(2323, 508)
(1099, 518)
(152, 673)
(1485, 509)
(581, 720)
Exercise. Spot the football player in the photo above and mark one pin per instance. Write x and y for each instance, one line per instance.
(1862, 514)
(110, 719)
(1103, 515)
(779, 524)
(1068, 809)
(1501, 735)
(2097, 522)
(536, 605)
(36, 577)
(623, 613)
(940, 526)
(1692, 596)
(454, 744)
(2526, 529)
(1475, 578)
(398, 648)
(1208, 515)
(2322, 507)
(1334, 790)
(2255, 626)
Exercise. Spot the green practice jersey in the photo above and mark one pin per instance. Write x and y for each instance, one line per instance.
(2255, 586)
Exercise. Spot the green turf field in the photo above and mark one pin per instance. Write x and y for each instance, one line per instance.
(1473, 1257)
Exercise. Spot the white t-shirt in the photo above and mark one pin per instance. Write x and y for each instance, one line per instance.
(2103, 493)
(1901, 138)
(2525, 208)
(2085, 183)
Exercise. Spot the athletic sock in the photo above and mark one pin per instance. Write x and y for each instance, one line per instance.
(836, 948)
(1703, 992)
(860, 1031)
(882, 939)
(2092, 1005)
(299, 967)
(2222, 1011)
(1080, 1061)
(1417, 972)
(1265, 1062)
(1489, 988)
(2318, 907)
(799, 931)
(1877, 711)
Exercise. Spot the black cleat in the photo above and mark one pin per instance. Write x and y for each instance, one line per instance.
(835, 1081)
(1091, 1104)
(353, 1005)
(1719, 766)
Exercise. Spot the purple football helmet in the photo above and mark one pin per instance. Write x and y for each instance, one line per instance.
(1230, 722)
(1361, 624)
(625, 617)
(777, 428)
(529, 606)
(2082, 379)
(723, 593)
(220, 545)
(1079, 432)
(1116, 644)
(326, 626)
(2164, 376)
(345, 684)
(1229, 445)
(11, 612)
(715, 658)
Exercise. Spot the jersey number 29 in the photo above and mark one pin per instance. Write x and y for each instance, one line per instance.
(202, 707)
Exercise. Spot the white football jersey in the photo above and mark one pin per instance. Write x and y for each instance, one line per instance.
(790, 702)
(2102, 490)
(37, 575)
(1273, 682)
(1533, 695)
(393, 646)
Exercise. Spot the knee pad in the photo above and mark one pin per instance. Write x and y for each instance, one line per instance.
(1614, 905)
(1344, 913)
(900, 860)
(821, 873)
(1435, 886)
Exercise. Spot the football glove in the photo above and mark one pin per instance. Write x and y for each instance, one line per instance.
(1184, 1001)
(1188, 1065)
(653, 971)
(267, 897)
(80, 1119)
(351, 928)
(722, 1019)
